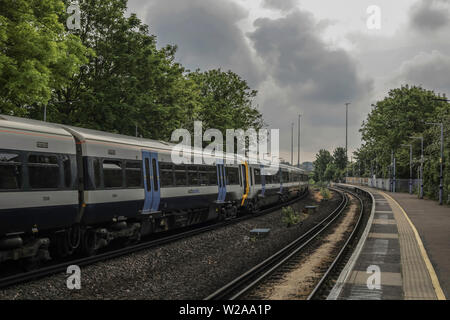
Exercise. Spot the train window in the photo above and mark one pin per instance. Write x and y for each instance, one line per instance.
(112, 173)
(147, 175)
(67, 171)
(167, 176)
(10, 171)
(232, 176)
(193, 179)
(285, 176)
(97, 176)
(203, 175)
(180, 175)
(155, 175)
(251, 176)
(133, 174)
(257, 173)
(43, 171)
(212, 176)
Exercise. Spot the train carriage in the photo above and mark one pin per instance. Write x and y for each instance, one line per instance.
(79, 189)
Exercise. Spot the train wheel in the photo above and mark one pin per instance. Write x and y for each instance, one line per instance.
(89, 243)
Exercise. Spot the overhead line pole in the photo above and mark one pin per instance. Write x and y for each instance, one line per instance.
(298, 155)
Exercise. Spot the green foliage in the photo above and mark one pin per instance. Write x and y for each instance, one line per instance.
(227, 101)
(289, 216)
(328, 167)
(391, 123)
(37, 55)
(325, 193)
(110, 75)
(340, 158)
(323, 159)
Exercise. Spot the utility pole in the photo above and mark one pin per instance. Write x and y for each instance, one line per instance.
(346, 136)
(298, 155)
(410, 166)
(441, 160)
(421, 166)
(292, 144)
(394, 181)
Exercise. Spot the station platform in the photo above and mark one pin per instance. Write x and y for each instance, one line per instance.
(391, 261)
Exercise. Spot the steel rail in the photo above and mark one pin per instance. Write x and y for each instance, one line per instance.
(62, 267)
(340, 255)
(248, 280)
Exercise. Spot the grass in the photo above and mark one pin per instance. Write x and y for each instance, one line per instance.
(289, 216)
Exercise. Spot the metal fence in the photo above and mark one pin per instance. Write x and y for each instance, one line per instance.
(401, 185)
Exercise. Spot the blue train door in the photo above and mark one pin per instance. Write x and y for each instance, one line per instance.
(151, 182)
(221, 182)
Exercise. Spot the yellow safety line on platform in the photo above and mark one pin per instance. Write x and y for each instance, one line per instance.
(434, 279)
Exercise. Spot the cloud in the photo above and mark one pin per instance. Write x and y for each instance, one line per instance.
(430, 70)
(430, 15)
(206, 33)
(285, 59)
(306, 76)
(283, 5)
(297, 58)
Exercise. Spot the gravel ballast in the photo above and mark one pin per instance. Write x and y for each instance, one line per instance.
(191, 268)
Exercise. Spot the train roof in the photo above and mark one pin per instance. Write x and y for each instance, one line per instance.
(32, 125)
(96, 135)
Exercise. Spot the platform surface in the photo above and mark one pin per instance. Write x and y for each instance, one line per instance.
(432, 222)
(393, 263)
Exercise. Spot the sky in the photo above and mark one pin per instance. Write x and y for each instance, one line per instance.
(310, 57)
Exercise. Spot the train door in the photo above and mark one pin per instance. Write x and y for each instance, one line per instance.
(221, 182)
(245, 183)
(151, 182)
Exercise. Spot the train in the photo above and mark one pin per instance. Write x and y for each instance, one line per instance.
(66, 190)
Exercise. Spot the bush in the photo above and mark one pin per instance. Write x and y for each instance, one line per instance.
(325, 193)
(289, 216)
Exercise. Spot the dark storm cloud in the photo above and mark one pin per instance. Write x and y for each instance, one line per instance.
(296, 57)
(430, 15)
(283, 5)
(430, 70)
(206, 34)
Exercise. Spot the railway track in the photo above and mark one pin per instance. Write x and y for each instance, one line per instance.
(325, 284)
(111, 254)
(253, 277)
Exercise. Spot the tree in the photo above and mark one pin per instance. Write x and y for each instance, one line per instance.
(37, 55)
(127, 82)
(391, 124)
(227, 101)
(323, 159)
(330, 172)
(340, 158)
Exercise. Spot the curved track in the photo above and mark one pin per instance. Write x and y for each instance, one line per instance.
(250, 279)
(321, 287)
(62, 267)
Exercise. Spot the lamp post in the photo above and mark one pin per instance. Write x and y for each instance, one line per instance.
(346, 133)
(421, 166)
(298, 155)
(441, 160)
(292, 144)
(410, 166)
